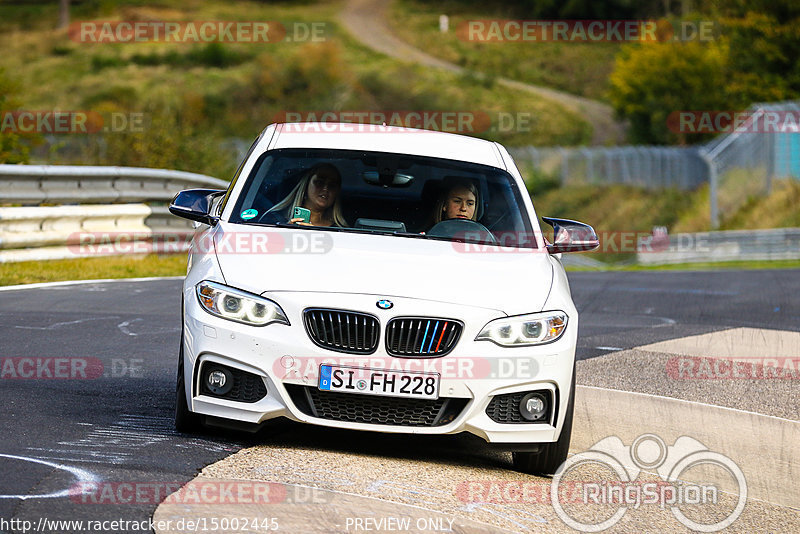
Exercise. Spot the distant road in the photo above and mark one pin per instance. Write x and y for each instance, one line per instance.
(366, 21)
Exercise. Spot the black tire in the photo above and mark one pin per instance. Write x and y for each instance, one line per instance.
(551, 455)
(186, 421)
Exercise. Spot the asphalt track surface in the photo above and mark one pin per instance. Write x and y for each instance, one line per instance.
(116, 424)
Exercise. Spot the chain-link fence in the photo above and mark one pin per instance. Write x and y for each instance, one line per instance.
(764, 145)
(643, 166)
(744, 163)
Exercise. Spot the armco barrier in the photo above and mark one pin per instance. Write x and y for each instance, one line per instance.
(729, 245)
(66, 184)
(61, 232)
(106, 206)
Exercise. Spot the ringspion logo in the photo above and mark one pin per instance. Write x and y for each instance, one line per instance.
(623, 491)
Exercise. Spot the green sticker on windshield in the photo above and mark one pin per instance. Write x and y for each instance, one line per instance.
(249, 214)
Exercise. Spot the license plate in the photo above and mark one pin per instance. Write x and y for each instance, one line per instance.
(378, 382)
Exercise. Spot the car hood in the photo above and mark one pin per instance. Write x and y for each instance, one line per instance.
(266, 259)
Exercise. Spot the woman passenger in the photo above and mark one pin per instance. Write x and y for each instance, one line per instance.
(318, 192)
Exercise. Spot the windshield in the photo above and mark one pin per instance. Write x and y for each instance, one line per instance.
(392, 194)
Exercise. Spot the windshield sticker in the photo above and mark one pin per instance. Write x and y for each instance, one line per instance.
(249, 214)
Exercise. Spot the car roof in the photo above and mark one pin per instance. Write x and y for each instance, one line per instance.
(377, 138)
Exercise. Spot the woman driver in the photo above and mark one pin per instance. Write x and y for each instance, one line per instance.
(458, 202)
(318, 192)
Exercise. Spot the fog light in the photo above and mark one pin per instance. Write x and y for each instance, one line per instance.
(219, 381)
(533, 406)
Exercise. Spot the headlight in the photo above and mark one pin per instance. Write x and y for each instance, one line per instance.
(521, 330)
(237, 305)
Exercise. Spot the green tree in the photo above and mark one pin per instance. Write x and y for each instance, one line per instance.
(755, 58)
(764, 57)
(12, 149)
(651, 81)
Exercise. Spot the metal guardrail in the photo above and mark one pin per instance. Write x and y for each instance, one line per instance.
(62, 232)
(66, 184)
(729, 245)
(69, 231)
(109, 215)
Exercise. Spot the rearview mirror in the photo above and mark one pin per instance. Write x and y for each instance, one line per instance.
(571, 236)
(386, 180)
(195, 205)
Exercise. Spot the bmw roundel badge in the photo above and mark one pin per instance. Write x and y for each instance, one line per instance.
(384, 304)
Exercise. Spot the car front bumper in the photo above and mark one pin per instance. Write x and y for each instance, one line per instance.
(284, 356)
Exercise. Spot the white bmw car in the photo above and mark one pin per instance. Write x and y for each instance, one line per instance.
(381, 279)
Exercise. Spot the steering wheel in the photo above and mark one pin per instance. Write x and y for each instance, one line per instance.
(466, 229)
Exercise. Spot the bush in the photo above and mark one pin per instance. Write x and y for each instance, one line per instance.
(173, 137)
(537, 181)
(12, 147)
(754, 58)
(210, 55)
(650, 81)
(103, 62)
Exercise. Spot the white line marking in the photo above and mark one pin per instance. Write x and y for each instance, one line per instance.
(104, 461)
(123, 327)
(80, 474)
(56, 325)
(610, 348)
(667, 321)
(46, 285)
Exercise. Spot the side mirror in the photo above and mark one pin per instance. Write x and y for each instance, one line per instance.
(195, 205)
(571, 236)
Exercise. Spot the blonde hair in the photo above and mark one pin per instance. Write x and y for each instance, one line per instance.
(460, 184)
(298, 195)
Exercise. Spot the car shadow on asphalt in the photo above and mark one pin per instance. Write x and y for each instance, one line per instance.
(459, 449)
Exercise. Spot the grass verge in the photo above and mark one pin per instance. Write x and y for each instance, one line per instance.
(31, 272)
(616, 208)
(705, 266)
(578, 68)
(175, 265)
(192, 101)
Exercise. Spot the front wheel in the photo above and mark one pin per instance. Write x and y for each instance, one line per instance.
(550, 455)
(186, 421)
